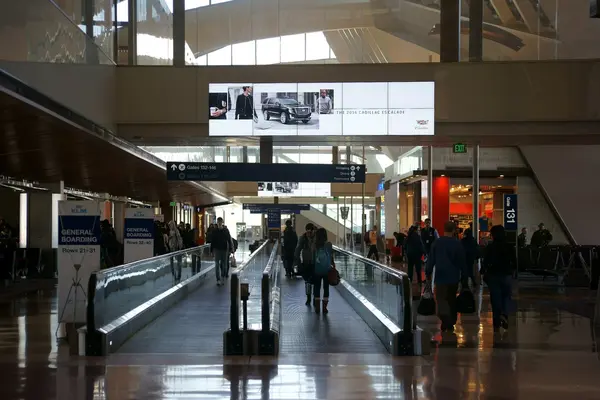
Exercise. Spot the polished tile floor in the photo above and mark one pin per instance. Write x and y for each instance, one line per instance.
(548, 353)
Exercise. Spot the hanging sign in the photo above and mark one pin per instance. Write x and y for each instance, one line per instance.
(510, 212)
(78, 256)
(274, 219)
(344, 211)
(139, 234)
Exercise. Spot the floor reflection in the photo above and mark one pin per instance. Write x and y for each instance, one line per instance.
(548, 353)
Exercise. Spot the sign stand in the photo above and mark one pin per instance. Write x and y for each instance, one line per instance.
(344, 211)
(75, 286)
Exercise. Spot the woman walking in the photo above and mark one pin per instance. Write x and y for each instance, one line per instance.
(323, 263)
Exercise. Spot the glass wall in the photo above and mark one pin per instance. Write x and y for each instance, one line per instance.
(260, 32)
(539, 30)
(97, 19)
(154, 32)
(203, 153)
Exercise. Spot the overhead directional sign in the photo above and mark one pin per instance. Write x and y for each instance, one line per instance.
(243, 172)
(283, 208)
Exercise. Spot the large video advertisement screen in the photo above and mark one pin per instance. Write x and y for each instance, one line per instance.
(335, 109)
(293, 189)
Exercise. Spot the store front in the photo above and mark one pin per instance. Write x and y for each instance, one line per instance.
(491, 194)
(453, 200)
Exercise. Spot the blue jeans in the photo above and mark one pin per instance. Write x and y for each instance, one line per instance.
(221, 260)
(500, 287)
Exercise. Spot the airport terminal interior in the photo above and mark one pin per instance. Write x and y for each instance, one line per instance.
(299, 199)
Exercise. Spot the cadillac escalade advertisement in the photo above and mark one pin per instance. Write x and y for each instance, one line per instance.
(334, 109)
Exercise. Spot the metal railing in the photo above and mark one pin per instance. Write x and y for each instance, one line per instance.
(234, 341)
(268, 341)
(116, 292)
(372, 283)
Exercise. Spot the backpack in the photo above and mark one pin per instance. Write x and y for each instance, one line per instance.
(322, 262)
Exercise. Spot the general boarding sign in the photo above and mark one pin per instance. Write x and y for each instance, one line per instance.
(138, 234)
(78, 255)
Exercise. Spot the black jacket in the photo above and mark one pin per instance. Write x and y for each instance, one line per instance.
(541, 238)
(499, 259)
(414, 245)
(290, 242)
(428, 236)
(244, 107)
(221, 239)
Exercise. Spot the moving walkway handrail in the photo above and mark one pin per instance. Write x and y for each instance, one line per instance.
(234, 312)
(113, 280)
(408, 323)
(270, 274)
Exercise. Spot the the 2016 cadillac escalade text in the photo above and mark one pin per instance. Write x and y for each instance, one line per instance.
(286, 110)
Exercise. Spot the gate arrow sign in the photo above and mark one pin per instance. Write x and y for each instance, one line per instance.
(174, 167)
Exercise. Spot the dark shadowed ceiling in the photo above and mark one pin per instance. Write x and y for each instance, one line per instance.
(37, 145)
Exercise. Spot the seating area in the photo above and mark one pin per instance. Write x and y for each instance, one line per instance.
(18, 264)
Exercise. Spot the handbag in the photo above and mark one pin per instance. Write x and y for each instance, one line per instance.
(465, 302)
(427, 303)
(333, 276)
(232, 261)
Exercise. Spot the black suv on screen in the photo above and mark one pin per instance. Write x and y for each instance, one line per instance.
(285, 110)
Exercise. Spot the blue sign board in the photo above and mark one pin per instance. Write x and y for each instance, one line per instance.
(510, 212)
(79, 230)
(139, 228)
(274, 219)
(244, 172)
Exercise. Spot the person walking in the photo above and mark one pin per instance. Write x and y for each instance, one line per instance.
(471, 248)
(414, 253)
(290, 242)
(428, 236)
(499, 264)
(447, 256)
(175, 239)
(304, 259)
(220, 246)
(372, 237)
(323, 263)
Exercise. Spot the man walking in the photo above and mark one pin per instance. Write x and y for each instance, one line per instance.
(447, 256)
(220, 246)
(290, 242)
(428, 235)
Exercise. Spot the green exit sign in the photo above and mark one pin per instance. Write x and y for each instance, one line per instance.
(173, 203)
(459, 148)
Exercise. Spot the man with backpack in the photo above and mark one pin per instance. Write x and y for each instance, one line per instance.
(304, 259)
(221, 246)
(290, 242)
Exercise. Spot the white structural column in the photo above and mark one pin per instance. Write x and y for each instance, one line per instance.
(119, 219)
(40, 216)
(476, 192)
